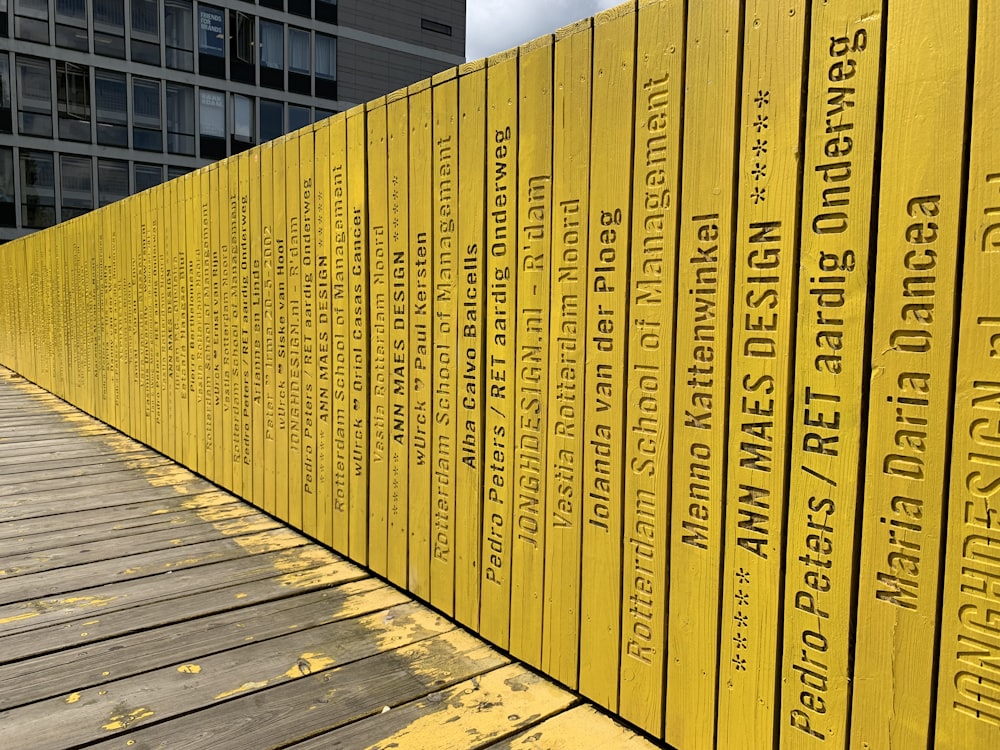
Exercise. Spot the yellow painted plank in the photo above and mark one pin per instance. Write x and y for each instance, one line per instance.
(968, 698)
(703, 315)
(279, 226)
(398, 196)
(760, 380)
(357, 192)
(221, 462)
(202, 199)
(578, 727)
(323, 233)
(469, 470)
(307, 250)
(257, 304)
(606, 342)
(234, 264)
(293, 272)
(534, 265)
(444, 372)
(567, 342)
(830, 370)
(270, 328)
(381, 314)
(245, 328)
(341, 331)
(180, 300)
(421, 340)
(656, 182)
(919, 227)
(500, 330)
(196, 331)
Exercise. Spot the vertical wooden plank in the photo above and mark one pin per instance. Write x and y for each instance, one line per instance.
(196, 374)
(293, 272)
(208, 391)
(324, 237)
(919, 225)
(421, 343)
(270, 327)
(607, 352)
(381, 314)
(398, 187)
(279, 226)
(501, 268)
(357, 186)
(659, 87)
(341, 332)
(567, 346)
(445, 326)
(182, 342)
(968, 702)
(307, 249)
(234, 263)
(533, 264)
(469, 470)
(760, 382)
(256, 242)
(830, 364)
(247, 364)
(222, 467)
(703, 325)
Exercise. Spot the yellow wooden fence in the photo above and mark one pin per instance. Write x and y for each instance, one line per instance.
(663, 352)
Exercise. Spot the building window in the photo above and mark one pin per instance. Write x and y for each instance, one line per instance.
(438, 28)
(111, 95)
(272, 55)
(299, 68)
(147, 133)
(109, 28)
(4, 28)
(112, 181)
(300, 8)
(212, 124)
(8, 213)
(174, 172)
(73, 89)
(145, 32)
(180, 119)
(147, 176)
(38, 191)
(242, 123)
(31, 20)
(34, 115)
(241, 42)
(77, 186)
(298, 117)
(326, 11)
(6, 120)
(71, 24)
(272, 120)
(322, 114)
(274, 4)
(211, 41)
(326, 66)
(178, 33)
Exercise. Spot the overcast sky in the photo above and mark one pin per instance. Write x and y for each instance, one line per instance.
(495, 25)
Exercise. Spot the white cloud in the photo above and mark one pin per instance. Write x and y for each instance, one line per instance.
(495, 25)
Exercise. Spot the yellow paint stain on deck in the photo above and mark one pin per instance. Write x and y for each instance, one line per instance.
(159, 512)
(83, 601)
(241, 595)
(124, 721)
(389, 632)
(326, 575)
(471, 648)
(268, 541)
(241, 689)
(235, 526)
(296, 559)
(309, 663)
(72, 697)
(189, 668)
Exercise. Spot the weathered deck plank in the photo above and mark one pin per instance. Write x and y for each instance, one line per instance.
(142, 607)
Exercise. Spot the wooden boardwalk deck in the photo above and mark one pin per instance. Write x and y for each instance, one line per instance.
(142, 607)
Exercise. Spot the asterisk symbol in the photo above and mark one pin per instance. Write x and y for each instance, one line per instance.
(741, 663)
(743, 575)
(759, 195)
(743, 597)
(740, 640)
(759, 148)
(760, 123)
(759, 170)
(742, 620)
(762, 98)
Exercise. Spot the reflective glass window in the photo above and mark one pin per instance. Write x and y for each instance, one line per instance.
(35, 101)
(145, 32)
(112, 181)
(146, 126)
(109, 27)
(77, 184)
(178, 33)
(326, 57)
(6, 123)
(211, 31)
(71, 24)
(73, 87)
(31, 20)
(298, 117)
(213, 113)
(147, 176)
(38, 189)
(180, 119)
(272, 45)
(272, 119)
(8, 214)
(298, 51)
(111, 103)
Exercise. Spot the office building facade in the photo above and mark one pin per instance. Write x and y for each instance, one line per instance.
(103, 98)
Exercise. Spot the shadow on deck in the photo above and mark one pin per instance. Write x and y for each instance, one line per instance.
(143, 607)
